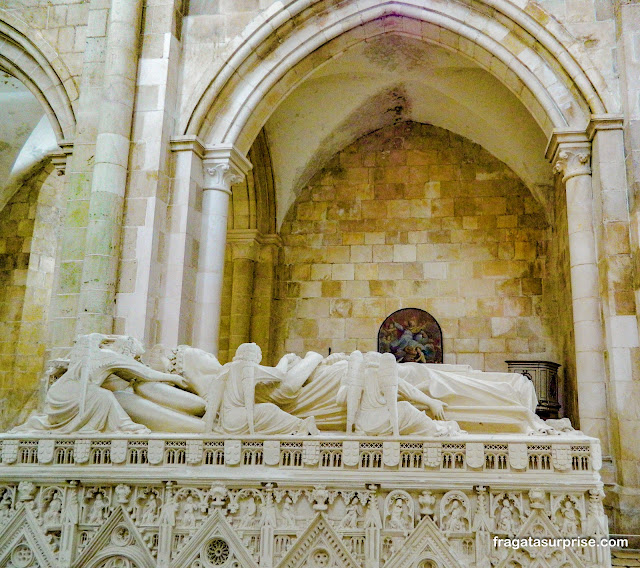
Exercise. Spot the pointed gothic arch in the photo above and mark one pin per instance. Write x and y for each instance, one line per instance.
(281, 47)
(35, 63)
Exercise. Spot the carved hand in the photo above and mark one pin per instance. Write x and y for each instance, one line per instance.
(178, 380)
(160, 377)
(437, 408)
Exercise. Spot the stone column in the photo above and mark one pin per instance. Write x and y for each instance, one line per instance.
(615, 236)
(223, 166)
(572, 161)
(244, 251)
(102, 250)
(78, 176)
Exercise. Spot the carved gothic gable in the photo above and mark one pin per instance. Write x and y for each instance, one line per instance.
(216, 543)
(23, 538)
(319, 545)
(538, 525)
(118, 536)
(426, 542)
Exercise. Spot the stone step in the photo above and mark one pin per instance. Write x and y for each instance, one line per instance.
(625, 558)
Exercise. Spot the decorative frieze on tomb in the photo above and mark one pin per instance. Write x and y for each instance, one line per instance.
(298, 501)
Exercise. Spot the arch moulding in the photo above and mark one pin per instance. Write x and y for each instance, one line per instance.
(556, 82)
(37, 65)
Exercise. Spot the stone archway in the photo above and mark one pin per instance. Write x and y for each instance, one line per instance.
(232, 106)
(32, 61)
(31, 204)
(567, 101)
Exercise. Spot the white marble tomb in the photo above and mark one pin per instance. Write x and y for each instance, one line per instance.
(347, 461)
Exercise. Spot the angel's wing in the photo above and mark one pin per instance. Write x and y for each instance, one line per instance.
(353, 384)
(214, 399)
(388, 381)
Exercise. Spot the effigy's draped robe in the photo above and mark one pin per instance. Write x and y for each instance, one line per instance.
(457, 385)
(267, 417)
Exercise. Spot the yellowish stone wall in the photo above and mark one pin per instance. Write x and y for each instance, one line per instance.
(415, 216)
(29, 225)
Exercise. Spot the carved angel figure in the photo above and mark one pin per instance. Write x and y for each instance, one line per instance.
(378, 411)
(240, 414)
(77, 402)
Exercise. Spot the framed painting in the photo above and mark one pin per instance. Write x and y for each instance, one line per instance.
(412, 335)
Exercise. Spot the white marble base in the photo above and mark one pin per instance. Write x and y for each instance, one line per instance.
(193, 501)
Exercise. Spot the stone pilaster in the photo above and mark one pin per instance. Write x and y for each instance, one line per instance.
(177, 300)
(263, 320)
(244, 252)
(143, 266)
(615, 237)
(571, 157)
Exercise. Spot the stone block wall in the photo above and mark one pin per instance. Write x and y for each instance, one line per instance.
(29, 225)
(63, 25)
(416, 216)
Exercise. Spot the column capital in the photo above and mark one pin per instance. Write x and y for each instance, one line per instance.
(572, 161)
(244, 243)
(569, 151)
(604, 122)
(249, 243)
(187, 143)
(223, 165)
